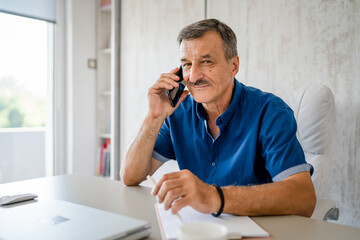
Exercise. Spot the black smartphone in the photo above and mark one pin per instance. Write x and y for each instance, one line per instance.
(175, 93)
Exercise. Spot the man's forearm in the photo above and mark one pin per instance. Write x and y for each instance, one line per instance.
(137, 163)
(294, 195)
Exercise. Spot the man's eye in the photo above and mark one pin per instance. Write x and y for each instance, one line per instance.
(207, 62)
(186, 65)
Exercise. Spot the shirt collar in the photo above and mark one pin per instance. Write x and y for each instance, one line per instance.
(226, 116)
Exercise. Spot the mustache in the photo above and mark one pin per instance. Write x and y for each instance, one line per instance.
(199, 82)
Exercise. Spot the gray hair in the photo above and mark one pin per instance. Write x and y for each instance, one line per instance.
(198, 29)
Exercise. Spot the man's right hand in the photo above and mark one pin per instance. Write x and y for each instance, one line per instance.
(138, 161)
(159, 104)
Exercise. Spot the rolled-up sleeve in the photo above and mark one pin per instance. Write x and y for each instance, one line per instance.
(163, 149)
(281, 149)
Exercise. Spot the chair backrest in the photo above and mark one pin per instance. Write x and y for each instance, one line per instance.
(314, 110)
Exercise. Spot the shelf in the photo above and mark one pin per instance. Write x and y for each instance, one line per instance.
(106, 51)
(108, 85)
(106, 93)
(105, 135)
(106, 8)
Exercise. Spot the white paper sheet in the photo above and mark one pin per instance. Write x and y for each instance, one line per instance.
(235, 224)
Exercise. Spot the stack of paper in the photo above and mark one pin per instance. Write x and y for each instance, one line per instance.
(236, 225)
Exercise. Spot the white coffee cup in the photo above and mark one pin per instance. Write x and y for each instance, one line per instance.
(202, 231)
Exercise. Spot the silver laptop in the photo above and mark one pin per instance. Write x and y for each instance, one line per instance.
(56, 219)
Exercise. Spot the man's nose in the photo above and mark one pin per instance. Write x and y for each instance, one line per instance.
(196, 73)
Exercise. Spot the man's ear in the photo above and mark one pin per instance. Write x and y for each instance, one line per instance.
(235, 65)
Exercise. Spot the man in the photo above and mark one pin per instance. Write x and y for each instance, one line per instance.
(223, 134)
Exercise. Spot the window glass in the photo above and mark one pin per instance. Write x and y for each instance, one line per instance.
(24, 97)
(23, 72)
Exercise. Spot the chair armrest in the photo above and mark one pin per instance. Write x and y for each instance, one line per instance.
(325, 209)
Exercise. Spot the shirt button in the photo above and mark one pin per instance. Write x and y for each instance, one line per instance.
(213, 164)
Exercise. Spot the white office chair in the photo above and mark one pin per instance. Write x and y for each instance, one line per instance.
(314, 110)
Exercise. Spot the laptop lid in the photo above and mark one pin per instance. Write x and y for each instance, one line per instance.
(56, 219)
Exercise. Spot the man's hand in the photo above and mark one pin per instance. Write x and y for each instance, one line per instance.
(293, 195)
(159, 104)
(179, 189)
(138, 161)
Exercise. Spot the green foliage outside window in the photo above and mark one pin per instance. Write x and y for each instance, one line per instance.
(20, 108)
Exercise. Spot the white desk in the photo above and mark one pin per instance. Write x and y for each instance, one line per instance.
(137, 202)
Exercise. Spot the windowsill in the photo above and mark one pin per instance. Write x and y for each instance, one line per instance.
(22, 129)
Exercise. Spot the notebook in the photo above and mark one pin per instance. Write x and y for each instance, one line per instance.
(56, 219)
(236, 225)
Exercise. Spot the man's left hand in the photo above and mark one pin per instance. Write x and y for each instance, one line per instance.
(179, 189)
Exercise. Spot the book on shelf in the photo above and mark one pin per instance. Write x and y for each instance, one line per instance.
(103, 166)
(104, 3)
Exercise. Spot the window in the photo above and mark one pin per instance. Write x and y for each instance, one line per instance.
(26, 78)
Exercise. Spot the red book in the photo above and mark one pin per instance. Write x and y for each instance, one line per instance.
(104, 3)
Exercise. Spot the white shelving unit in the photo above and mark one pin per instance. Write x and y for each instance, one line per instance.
(108, 88)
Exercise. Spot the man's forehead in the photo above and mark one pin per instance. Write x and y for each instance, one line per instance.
(185, 57)
(204, 47)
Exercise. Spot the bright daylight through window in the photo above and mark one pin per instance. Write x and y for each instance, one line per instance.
(25, 97)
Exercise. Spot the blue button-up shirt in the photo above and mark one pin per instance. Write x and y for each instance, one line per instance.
(257, 141)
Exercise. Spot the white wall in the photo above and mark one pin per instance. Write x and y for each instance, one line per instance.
(285, 45)
(80, 86)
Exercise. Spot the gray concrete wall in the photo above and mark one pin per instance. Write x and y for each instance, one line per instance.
(148, 48)
(285, 45)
